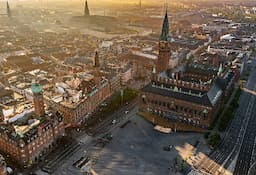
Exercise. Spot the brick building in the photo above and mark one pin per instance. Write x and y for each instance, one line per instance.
(26, 136)
(92, 92)
(38, 99)
(27, 139)
(186, 100)
(165, 59)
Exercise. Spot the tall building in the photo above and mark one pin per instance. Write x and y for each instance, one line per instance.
(86, 9)
(164, 46)
(38, 99)
(8, 9)
(96, 60)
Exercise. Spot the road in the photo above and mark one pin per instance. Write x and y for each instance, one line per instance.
(236, 135)
(245, 157)
(118, 116)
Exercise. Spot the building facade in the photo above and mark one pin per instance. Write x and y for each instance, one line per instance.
(181, 103)
(28, 145)
(77, 113)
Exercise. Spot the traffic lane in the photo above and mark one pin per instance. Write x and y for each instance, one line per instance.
(114, 116)
(230, 145)
(118, 123)
(245, 154)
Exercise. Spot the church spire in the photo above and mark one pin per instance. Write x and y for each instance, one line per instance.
(96, 60)
(165, 29)
(86, 9)
(8, 9)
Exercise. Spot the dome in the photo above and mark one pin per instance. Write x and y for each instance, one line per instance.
(36, 88)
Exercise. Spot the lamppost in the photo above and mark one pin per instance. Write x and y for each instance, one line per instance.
(122, 96)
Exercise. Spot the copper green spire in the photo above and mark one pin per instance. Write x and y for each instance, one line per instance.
(36, 88)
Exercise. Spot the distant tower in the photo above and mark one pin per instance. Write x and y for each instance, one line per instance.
(8, 10)
(140, 4)
(96, 60)
(164, 46)
(1, 116)
(38, 99)
(86, 9)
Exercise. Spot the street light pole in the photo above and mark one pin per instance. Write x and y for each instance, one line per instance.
(122, 96)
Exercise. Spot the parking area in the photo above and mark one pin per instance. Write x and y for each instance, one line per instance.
(139, 149)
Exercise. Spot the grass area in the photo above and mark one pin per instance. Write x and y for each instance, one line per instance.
(112, 104)
(225, 101)
(117, 101)
(214, 140)
(229, 114)
(215, 120)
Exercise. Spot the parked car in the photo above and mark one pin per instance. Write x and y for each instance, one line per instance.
(167, 148)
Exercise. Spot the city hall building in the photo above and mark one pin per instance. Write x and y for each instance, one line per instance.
(187, 99)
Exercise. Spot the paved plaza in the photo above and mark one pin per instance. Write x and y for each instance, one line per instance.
(138, 149)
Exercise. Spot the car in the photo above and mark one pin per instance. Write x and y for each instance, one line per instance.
(113, 121)
(167, 148)
(126, 112)
(103, 104)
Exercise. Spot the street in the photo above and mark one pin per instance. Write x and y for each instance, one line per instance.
(241, 134)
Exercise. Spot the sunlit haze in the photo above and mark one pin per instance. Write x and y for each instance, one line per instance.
(127, 87)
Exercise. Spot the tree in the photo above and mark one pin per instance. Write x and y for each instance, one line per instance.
(214, 140)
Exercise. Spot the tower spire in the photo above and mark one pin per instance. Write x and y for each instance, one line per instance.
(8, 9)
(96, 60)
(165, 29)
(86, 9)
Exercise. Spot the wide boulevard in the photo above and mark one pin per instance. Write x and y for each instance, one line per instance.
(239, 139)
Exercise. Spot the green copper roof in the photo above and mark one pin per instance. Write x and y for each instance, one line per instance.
(36, 88)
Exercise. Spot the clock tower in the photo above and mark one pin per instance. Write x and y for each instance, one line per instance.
(164, 46)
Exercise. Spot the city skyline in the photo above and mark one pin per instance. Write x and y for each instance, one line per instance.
(127, 87)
